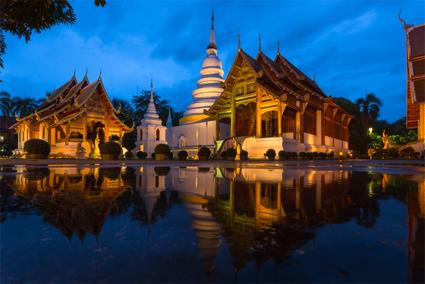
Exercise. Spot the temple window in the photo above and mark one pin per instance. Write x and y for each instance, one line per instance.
(156, 181)
(60, 134)
(245, 120)
(310, 120)
(157, 135)
(141, 134)
(288, 121)
(269, 124)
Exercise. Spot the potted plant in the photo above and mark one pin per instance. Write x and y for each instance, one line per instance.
(271, 154)
(204, 153)
(162, 152)
(244, 155)
(283, 155)
(110, 150)
(162, 171)
(37, 149)
(182, 155)
(141, 155)
(230, 154)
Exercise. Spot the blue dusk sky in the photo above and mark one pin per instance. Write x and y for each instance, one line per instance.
(352, 47)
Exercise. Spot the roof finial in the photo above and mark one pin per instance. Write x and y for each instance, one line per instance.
(314, 76)
(403, 22)
(259, 43)
(100, 74)
(239, 41)
(87, 71)
(212, 44)
(212, 20)
(278, 47)
(75, 71)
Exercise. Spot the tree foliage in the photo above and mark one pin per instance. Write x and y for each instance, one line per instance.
(23, 17)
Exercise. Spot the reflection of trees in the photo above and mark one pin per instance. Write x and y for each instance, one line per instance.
(365, 208)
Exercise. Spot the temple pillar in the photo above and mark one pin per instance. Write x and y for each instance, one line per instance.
(67, 133)
(421, 123)
(232, 113)
(52, 136)
(319, 137)
(298, 133)
(258, 114)
(279, 120)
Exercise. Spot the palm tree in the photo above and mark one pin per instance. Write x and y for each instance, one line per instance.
(369, 107)
(6, 104)
(25, 106)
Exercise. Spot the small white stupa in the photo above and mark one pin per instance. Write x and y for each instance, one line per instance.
(210, 86)
(150, 132)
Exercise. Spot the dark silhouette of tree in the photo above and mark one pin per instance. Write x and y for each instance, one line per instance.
(6, 104)
(25, 106)
(22, 18)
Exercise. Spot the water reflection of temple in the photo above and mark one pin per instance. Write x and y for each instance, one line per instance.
(75, 201)
(260, 214)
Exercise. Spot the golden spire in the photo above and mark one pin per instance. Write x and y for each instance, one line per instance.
(239, 41)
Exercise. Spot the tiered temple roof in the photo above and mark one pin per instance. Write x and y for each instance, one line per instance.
(68, 102)
(278, 76)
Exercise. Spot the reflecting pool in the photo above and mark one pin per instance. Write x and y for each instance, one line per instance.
(210, 224)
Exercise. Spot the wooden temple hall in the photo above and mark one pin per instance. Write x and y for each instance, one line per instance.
(75, 119)
(272, 104)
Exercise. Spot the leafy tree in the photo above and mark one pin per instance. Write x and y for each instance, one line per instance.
(23, 17)
(126, 113)
(162, 106)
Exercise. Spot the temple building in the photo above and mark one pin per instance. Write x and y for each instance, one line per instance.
(263, 104)
(75, 119)
(150, 132)
(415, 97)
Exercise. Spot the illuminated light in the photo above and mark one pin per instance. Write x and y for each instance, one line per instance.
(370, 130)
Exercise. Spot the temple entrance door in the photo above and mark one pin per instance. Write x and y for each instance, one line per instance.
(269, 124)
(224, 128)
(288, 123)
(245, 120)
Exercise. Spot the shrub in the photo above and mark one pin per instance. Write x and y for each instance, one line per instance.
(244, 155)
(229, 154)
(129, 155)
(331, 155)
(182, 155)
(163, 149)
(110, 148)
(203, 169)
(204, 153)
(141, 155)
(323, 156)
(303, 155)
(37, 146)
(153, 156)
(392, 153)
(271, 154)
(114, 138)
(408, 152)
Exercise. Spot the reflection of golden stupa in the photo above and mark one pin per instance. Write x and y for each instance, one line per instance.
(206, 228)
